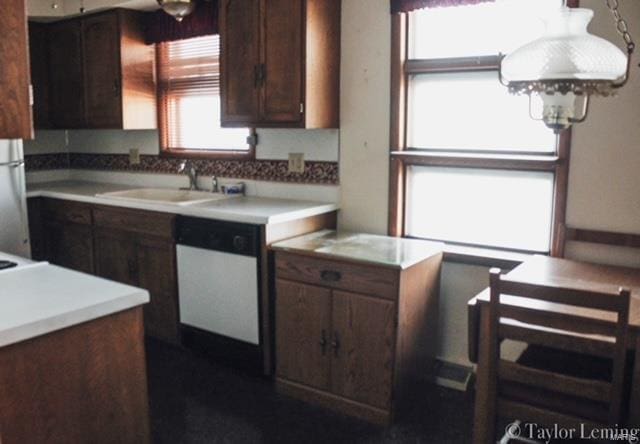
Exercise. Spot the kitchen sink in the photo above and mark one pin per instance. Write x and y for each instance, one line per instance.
(165, 196)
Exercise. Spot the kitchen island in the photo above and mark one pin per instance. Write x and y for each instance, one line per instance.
(72, 359)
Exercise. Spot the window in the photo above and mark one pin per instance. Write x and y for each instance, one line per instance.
(469, 166)
(189, 101)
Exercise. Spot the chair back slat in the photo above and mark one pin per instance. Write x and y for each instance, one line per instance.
(599, 300)
(577, 323)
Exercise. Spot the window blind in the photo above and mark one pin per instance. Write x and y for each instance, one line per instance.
(189, 94)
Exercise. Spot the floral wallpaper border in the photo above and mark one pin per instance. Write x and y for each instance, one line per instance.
(325, 173)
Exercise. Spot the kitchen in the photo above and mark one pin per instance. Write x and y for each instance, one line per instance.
(238, 292)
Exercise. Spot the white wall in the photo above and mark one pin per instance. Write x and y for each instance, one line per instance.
(364, 114)
(274, 144)
(604, 188)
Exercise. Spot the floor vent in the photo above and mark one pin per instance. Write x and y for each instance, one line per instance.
(453, 376)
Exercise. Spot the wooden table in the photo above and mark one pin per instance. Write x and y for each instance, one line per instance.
(552, 271)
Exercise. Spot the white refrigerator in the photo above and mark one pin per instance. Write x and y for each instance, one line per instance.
(14, 227)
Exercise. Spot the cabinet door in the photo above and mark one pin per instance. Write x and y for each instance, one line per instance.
(283, 56)
(39, 56)
(101, 54)
(70, 245)
(15, 112)
(362, 362)
(65, 75)
(37, 233)
(302, 333)
(240, 60)
(157, 274)
(116, 256)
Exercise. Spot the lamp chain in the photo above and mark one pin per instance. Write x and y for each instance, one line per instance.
(621, 24)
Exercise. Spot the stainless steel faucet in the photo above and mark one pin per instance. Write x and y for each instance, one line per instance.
(187, 166)
(215, 185)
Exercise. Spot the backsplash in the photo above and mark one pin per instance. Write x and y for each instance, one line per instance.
(107, 151)
(316, 172)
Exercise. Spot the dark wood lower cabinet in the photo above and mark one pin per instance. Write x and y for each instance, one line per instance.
(156, 268)
(352, 336)
(115, 255)
(303, 314)
(362, 362)
(70, 245)
(113, 243)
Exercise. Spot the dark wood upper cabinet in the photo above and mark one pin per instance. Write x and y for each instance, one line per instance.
(240, 32)
(39, 55)
(101, 60)
(282, 82)
(66, 85)
(101, 72)
(280, 63)
(15, 82)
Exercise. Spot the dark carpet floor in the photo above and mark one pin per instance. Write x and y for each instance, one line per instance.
(194, 400)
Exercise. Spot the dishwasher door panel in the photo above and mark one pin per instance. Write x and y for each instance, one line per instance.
(219, 292)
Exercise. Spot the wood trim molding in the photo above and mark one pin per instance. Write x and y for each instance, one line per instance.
(561, 189)
(630, 240)
(467, 160)
(397, 140)
(462, 64)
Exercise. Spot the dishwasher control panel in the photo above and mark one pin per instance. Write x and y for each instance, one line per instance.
(230, 237)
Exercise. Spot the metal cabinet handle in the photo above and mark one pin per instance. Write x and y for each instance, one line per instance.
(13, 163)
(330, 275)
(323, 342)
(335, 344)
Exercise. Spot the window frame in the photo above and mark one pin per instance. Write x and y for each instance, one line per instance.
(402, 156)
(190, 153)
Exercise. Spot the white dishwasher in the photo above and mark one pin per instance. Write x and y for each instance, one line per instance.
(218, 278)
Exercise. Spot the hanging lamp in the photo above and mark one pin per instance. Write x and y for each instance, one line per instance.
(178, 9)
(568, 65)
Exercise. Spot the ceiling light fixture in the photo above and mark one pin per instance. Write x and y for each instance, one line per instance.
(179, 9)
(567, 65)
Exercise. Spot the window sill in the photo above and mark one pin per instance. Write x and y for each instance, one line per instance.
(485, 257)
(209, 154)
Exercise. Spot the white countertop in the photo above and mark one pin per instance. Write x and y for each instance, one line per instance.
(39, 298)
(380, 250)
(251, 210)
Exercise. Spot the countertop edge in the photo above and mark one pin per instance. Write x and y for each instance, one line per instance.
(194, 211)
(44, 326)
(355, 260)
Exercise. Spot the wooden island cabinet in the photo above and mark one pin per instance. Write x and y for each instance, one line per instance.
(356, 320)
(72, 358)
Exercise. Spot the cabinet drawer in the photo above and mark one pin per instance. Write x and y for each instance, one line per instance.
(137, 221)
(68, 211)
(376, 281)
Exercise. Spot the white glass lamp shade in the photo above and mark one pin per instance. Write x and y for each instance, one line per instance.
(567, 58)
(177, 8)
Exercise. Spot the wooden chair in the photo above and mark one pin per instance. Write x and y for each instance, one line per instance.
(540, 396)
